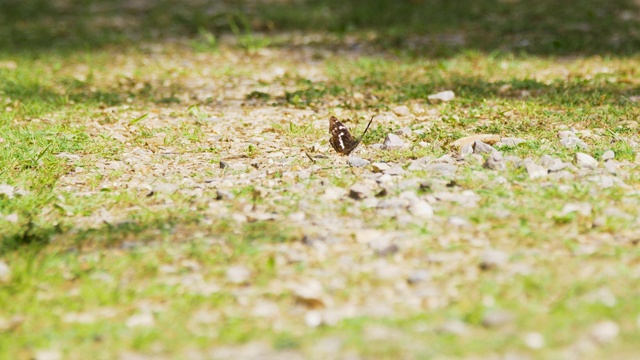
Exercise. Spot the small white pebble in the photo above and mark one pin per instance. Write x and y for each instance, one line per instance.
(605, 331)
(49, 354)
(238, 274)
(313, 318)
(534, 340)
(5, 271)
(141, 319)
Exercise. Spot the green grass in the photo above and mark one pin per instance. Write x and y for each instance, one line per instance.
(114, 209)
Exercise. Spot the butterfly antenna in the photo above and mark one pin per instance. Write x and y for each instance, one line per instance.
(365, 130)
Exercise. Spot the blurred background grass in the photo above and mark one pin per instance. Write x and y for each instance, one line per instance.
(425, 27)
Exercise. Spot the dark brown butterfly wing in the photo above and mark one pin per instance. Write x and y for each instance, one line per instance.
(341, 139)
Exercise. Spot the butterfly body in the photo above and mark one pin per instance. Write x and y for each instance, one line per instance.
(341, 139)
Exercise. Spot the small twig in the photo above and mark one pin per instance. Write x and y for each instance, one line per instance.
(309, 156)
(235, 157)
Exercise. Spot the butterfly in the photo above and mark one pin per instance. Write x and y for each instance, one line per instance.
(341, 139)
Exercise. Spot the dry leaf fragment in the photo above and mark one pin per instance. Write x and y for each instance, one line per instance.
(310, 294)
(380, 167)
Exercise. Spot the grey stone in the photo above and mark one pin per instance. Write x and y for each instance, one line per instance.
(497, 318)
(442, 96)
(409, 195)
(421, 209)
(384, 178)
(605, 331)
(213, 119)
(224, 195)
(607, 181)
(536, 171)
(500, 180)
(418, 276)
(388, 250)
(495, 161)
(395, 170)
(608, 155)
(474, 160)
(68, 156)
(482, 148)
(386, 117)
(454, 327)
(408, 184)
(458, 221)
(238, 274)
(561, 175)
(491, 259)
(357, 161)
(513, 160)
(534, 340)
(165, 188)
(559, 165)
(420, 164)
(466, 198)
(546, 161)
(552, 164)
(612, 167)
(359, 192)
(442, 169)
(586, 161)
(393, 141)
(333, 193)
(566, 134)
(446, 158)
(370, 202)
(582, 208)
(573, 142)
(502, 213)
(392, 203)
(401, 110)
(224, 164)
(527, 161)
(466, 150)
(5, 272)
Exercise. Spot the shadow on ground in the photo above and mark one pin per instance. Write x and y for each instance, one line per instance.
(426, 27)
